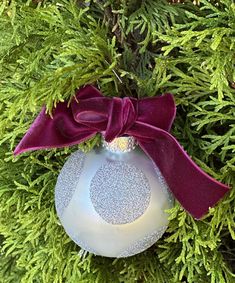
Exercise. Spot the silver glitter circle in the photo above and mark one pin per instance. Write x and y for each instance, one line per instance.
(143, 244)
(120, 192)
(67, 180)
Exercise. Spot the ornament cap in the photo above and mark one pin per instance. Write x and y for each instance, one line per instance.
(120, 144)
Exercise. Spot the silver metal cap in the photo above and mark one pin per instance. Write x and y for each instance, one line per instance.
(120, 145)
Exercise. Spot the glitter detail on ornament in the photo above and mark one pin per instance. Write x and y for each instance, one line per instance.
(120, 192)
(120, 145)
(66, 182)
(164, 185)
(143, 244)
(84, 224)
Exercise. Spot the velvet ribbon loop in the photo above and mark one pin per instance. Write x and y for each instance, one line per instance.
(149, 120)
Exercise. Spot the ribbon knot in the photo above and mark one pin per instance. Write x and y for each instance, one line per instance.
(121, 117)
(148, 120)
(111, 116)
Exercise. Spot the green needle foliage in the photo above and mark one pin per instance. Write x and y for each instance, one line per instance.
(127, 48)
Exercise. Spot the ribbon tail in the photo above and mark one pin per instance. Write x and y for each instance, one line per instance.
(192, 187)
(60, 131)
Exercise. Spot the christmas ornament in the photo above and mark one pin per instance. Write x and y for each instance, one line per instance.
(147, 120)
(112, 201)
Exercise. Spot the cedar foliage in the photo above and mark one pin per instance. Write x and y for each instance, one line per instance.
(127, 48)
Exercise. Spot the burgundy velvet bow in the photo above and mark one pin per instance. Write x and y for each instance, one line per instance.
(148, 120)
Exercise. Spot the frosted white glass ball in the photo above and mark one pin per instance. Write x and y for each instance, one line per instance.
(112, 200)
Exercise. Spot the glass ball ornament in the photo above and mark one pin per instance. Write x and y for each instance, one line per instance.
(112, 200)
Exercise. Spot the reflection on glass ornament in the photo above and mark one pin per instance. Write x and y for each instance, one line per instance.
(112, 200)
